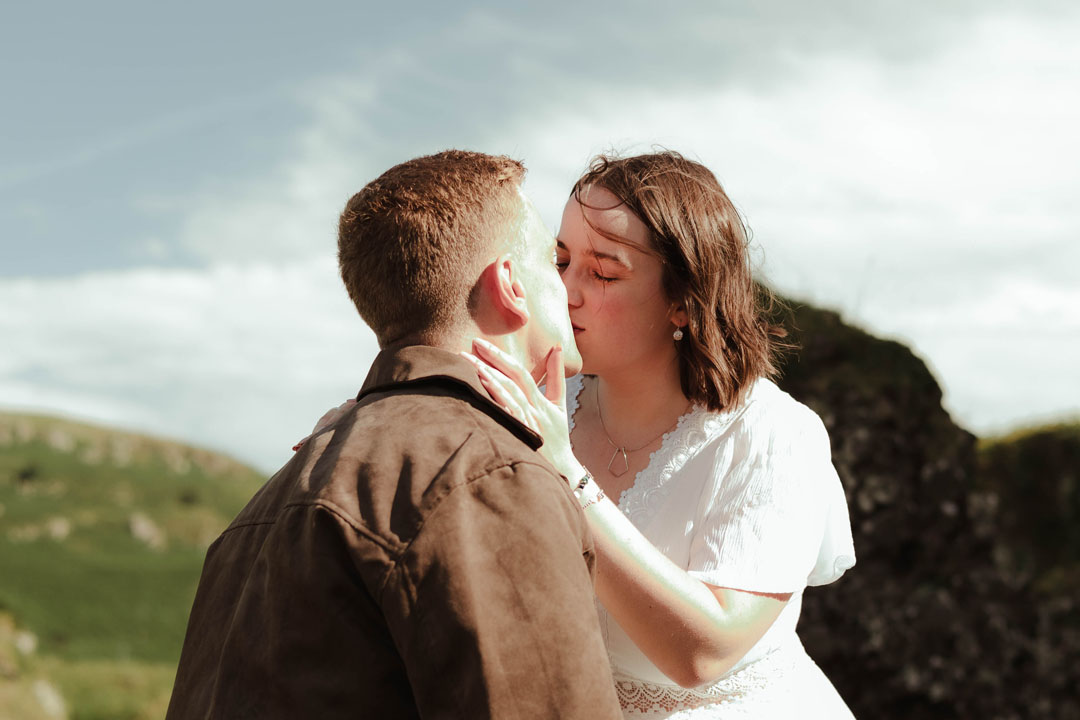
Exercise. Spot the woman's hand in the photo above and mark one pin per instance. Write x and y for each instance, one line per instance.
(330, 417)
(513, 387)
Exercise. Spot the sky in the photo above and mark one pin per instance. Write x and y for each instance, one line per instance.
(171, 177)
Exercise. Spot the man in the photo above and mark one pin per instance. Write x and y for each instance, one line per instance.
(418, 558)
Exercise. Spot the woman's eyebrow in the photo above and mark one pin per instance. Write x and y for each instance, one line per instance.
(592, 252)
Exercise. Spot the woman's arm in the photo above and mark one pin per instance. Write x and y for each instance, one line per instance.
(693, 632)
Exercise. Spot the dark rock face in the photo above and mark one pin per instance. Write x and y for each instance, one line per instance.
(930, 623)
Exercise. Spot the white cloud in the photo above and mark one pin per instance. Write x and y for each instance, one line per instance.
(241, 358)
(932, 201)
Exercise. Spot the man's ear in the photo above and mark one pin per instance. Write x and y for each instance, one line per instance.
(506, 293)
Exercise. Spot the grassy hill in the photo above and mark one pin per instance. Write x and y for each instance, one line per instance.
(102, 537)
(1034, 477)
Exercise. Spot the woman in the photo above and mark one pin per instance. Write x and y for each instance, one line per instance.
(710, 492)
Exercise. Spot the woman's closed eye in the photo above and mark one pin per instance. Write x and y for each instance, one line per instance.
(562, 263)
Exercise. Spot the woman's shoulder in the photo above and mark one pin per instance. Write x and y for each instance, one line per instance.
(773, 421)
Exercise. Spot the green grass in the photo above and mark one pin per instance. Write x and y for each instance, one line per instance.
(109, 609)
(1064, 431)
(1035, 474)
(136, 691)
(128, 603)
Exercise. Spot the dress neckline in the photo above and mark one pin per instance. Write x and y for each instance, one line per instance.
(632, 500)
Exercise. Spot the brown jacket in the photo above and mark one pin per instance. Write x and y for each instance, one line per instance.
(418, 558)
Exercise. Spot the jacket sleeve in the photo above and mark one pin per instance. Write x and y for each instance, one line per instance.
(492, 606)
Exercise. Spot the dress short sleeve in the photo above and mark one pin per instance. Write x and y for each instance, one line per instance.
(774, 517)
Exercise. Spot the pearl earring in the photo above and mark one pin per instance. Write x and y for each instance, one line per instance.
(677, 334)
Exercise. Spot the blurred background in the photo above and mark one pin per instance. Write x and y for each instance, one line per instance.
(170, 179)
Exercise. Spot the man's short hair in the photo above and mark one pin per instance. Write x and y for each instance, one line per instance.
(411, 243)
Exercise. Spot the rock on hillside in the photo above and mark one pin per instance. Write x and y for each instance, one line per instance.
(59, 477)
(96, 445)
(24, 694)
(927, 625)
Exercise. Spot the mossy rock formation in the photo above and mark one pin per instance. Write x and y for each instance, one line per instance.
(960, 604)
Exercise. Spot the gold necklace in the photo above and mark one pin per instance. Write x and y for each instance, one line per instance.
(622, 449)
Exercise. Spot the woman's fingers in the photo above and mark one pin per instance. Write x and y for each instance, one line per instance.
(508, 385)
(503, 391)
(555, 391)
(333, 415)
(514, 389)
(505, 364)
(509, 390)
(502, 395)
(330, 417)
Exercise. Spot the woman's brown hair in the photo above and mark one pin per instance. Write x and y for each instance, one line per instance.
(701, 241)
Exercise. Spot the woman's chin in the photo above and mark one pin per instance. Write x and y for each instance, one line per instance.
(587, 368)
(571, 363)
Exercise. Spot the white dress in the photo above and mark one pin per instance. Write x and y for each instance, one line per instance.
(746, 499)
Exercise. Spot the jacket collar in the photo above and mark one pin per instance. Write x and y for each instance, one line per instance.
(415, 365)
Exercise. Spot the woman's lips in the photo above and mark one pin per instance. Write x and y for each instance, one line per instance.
(576, 328)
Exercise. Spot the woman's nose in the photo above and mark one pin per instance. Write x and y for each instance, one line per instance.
(573, 287)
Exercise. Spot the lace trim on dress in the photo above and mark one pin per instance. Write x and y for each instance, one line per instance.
(573, 389)
(643, 498)
(640, 501)
(639, 697)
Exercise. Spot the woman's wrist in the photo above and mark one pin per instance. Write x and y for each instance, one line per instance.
(586, 490)
(571, 469)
